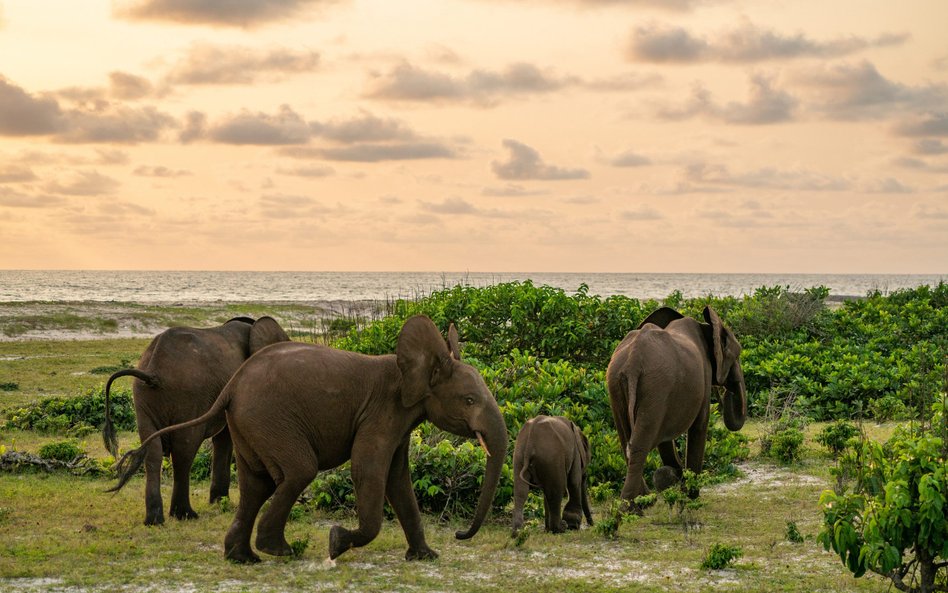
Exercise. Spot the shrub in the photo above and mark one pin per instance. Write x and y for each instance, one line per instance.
(836, 436)
(792, 533)
(720, 556)
(61, 451)
(75, 416)
(888, 407)
(9, 386)
(785, 446)
(893, 521)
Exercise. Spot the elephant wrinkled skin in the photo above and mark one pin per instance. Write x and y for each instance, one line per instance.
(552, 454)
(660, 382)
(179, 376)
(294, 409)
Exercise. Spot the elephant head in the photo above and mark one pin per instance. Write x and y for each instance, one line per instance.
(455, 399)
(727, 372)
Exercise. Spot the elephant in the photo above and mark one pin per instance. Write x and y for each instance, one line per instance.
(660, 382)
(552, 454)
(179, 376)
(294, 409)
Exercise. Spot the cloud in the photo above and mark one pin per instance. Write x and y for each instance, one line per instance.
(622, 83)
(372, 153)
(314, 171)
(84, 183)
(512, 190)
(365, 128)
(129, 87)
(765, 105)
(16, 174)
(858, 91)
(643, 213)
(931, 124)
(290, 206)
(115, 125)
(629, 158)
(929, 146)
(195, 127)
(921, 165)
(22, 114)
(460, 206)
(239, 13)
(889, 185)
(744, 44)
(764, 178)
(286, 127)
(160, 171)
(668, 5)
(482, 87)
(524, 163)
(12, 199)
(207, 64)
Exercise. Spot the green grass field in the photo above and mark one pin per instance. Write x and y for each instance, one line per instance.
(64, 533)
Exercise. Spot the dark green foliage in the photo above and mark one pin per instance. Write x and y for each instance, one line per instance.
(784, 445)
(9, 386)
(61, 451)
(720, 556)
(125, 363)
(836, 436)
(75, 416)
(892, 522)
(792, 533)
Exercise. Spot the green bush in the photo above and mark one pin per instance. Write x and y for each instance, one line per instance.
(893, 521)
(9, 386)
(785, 445)
(837, 436)
(720, 556)
(61, 451)
(76, 416)
(792, 533)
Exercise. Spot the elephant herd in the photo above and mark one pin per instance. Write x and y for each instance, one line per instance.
(287, 410)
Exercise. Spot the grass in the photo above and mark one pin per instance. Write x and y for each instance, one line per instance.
(65, 533)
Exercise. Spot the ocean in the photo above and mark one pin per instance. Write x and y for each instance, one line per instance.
(188, 287)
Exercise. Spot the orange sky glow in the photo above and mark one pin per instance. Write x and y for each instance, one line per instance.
(479, 135)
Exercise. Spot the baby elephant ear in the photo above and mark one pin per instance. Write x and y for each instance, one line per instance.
(422, 357)
(266, 331)
(453, 342)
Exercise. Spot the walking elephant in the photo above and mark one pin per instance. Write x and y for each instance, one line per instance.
(294, 409)
(552, 454)
(179, 376)
(660, 381)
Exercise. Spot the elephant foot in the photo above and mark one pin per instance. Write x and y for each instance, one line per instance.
(154, 518)
(241, 555)
(338, 541)
(665, 477)
(421, 553)
(183, 514)
(216, 496)
(274, 546)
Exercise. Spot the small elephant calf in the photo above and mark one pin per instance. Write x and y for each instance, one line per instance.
(552, 454)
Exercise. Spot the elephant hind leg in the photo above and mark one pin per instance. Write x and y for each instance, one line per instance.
(553, 503)
(255, 489)
(220, 465)
(154, 508)
(184, 447)
(271, 532)
(573, 513)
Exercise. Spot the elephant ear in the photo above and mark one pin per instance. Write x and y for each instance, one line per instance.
(453, 342)
(662, 317)
(266, 331)
(725, 346)
(423, 359)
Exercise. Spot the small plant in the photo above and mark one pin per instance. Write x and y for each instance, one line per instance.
(5, 513)
(61, 451)
(608, 526)
(521, 536)
(9, 386)
(785, 446)
(836, 436)
(792, 533)
(298, 546)
(224, 504)
(720, 556)
(888, 407)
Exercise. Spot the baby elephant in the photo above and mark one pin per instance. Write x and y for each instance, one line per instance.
(551, 453)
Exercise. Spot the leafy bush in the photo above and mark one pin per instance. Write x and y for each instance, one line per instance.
(61, 451)
(836, 436)
(792, 533)
(785, 445)
(720, 556)
(893, 521)
(76, 416)
(9, 386)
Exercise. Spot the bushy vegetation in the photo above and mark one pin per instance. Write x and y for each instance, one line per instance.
(74, 416)
(61, 451)
(892, 521)
(720, 556)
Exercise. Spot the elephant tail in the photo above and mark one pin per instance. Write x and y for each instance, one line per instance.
(109, 439)
(525, 476)
(131, 462)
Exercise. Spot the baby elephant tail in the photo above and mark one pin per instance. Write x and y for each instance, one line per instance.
(109, 439)
(132, 461)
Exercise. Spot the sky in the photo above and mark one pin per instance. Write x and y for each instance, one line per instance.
(766, 136)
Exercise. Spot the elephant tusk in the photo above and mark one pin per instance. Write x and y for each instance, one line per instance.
(480, 438)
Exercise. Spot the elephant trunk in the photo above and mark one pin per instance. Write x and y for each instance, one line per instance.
(495, 438)
(734, 402)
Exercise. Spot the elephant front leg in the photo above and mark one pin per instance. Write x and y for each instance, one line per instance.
(401, 496)
(697, 440)
(370, 466)
(220, 468)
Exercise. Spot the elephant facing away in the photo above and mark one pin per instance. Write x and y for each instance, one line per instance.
(178, 378)
(294, 409)
(660, 382)
(552, 454)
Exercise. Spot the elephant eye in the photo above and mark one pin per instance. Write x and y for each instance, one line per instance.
(469, 400)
